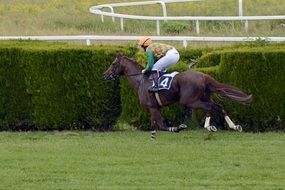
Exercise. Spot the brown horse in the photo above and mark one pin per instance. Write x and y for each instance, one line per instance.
(192, 89)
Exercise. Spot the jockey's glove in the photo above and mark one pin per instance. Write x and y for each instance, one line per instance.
(143, 71)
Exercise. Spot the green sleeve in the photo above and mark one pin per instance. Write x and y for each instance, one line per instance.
(150, 60)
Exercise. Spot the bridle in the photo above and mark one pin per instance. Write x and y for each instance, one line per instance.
(114, 68)
(115, 64)
(114, 72)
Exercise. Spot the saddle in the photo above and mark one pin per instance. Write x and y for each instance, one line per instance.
(165, 80)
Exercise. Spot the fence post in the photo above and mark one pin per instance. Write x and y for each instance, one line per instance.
(197, 27)
(122, 24)
(88, 42)
(157, 28)
(185, 44)
(112, 11)
(246, 25)
(164, 11)
(240, 8)
(102, 18)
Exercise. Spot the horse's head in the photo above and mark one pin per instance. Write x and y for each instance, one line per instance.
(114, 70)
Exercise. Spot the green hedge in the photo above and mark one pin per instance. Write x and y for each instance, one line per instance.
(15, 102)
(208, 57)
(193, 53)
(46, 86)
(260, 73)
(209, 60)
(57, 86)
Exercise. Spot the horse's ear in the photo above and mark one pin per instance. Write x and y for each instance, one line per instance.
(119, 54)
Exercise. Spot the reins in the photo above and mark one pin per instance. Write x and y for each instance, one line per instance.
(136, 74)
(133, 74)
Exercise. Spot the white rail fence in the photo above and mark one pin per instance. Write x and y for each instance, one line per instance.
(184, 39)
(98, 10)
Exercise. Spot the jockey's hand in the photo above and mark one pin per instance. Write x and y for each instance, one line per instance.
(143, 71)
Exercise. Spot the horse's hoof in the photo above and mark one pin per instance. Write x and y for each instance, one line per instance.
(153, 135)
(182, 126)
(211, 128)
(238, 128)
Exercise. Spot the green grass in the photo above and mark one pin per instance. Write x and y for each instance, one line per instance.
(57, 17)
(130, 160)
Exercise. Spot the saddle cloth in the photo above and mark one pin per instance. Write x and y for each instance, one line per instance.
(164, 81)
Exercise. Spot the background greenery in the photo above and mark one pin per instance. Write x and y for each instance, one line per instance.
(56, 86)
(57, 17)
(60, 86)
(130, 160)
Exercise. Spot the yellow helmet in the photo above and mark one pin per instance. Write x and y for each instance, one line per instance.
(145, 41)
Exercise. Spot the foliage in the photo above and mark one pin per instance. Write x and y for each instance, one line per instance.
(260, 73)
(15, 102)
(209, 59)
(174, 27)
(57, 87)
(73, 18)
(130, 160)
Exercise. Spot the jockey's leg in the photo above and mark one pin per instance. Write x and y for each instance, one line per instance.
(171, 57)
(154, 76)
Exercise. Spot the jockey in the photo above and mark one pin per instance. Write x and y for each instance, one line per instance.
(159, 58)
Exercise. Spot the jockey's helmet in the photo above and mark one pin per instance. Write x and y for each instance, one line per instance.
(145, 41)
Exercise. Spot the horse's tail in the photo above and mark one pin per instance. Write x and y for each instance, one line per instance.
(228, 91)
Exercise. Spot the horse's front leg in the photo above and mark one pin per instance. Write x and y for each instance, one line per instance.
(158, 121)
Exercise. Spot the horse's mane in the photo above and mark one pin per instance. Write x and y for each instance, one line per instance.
(134, 62)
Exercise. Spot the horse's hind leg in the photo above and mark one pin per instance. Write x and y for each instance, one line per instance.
(207, 107)
(231, 125)
(207, 98)
(207, 124)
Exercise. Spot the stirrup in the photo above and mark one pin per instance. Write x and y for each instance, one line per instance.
(153, 89)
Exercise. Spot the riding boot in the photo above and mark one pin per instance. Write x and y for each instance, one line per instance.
(155, 76)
